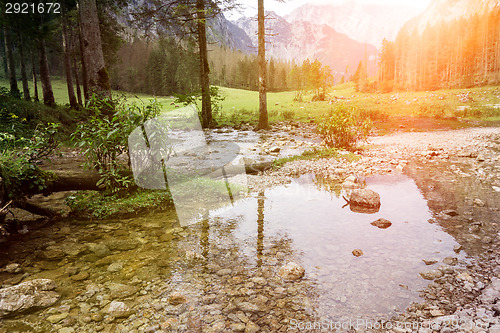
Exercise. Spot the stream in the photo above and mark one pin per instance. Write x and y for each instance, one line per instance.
(221, 274)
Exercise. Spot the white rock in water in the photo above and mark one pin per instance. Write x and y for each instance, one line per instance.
(351, 179)
(274, 149)
(348, 185)
(479, 202)
(26, 296)
(13, 268)
(118, 309)
(291, 272)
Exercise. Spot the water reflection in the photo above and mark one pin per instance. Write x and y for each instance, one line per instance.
(322, 236)
(231, 258)
(260, 227)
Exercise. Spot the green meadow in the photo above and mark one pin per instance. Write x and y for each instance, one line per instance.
(387, 110)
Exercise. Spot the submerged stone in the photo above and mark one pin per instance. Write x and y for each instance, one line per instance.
(431, 275)
(382, 223)
(365, 198)
(291, 272)
(357, 253)
(176, 298)
(119, 309)
(27, 296)
(429, 262)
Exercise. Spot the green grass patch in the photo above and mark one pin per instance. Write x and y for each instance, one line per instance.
(98, 205)
(314, 154)
(102, 205)
(242, 106)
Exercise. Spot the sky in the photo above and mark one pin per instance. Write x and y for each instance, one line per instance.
(249, 7)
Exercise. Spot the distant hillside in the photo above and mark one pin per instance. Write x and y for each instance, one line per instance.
(362, 22)
(225, 33)
(440, 11)
(300, 40)
(452, 44)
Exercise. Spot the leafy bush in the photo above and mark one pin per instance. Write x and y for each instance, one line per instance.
(344, 127)
(434, 110)
(100, 205)
(19, 167)
(104, 139)
(288, 115)
(480, 111)
(216, 98)
(239, 116)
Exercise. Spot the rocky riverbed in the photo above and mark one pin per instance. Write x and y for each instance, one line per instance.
(148, 274)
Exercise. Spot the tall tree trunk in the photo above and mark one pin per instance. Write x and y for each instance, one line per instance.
(77, 82)
(24, 77)
(74, 65)
(84, 68)
(67, 62)
(33, 72)
(11, 67)
(263, 121)
(4, 57)
(97, 75)
(206, 105)
(48, 94)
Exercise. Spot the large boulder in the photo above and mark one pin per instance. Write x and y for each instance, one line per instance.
(364, 198)
(27, 296)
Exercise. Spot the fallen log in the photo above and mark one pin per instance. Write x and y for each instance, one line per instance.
(35, 209)
(68, 180)
(86, 180)
(257, 167)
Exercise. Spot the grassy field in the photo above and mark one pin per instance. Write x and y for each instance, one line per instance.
(397, 109)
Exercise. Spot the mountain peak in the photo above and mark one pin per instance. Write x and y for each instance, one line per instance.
(366, 23)
(447, 10)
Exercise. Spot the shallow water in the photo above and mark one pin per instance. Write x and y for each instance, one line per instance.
(323, 234)
(146, 258)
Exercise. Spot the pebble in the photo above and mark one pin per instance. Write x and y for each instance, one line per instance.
(357, 252)
(291, 271)
(479, 203)
(115, 267)
(57, 318)
(176, 298)
(251, 327)
(431, 275)
(452, 261)
(80, 276)
(429, 262)
(13, 268)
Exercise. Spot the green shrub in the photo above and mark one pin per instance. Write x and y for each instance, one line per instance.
(288, 115)
(103, 139)
(344, 127)
(216, 99)
(434, 110)
(479, 111)
(100, 205)
(19, 166)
